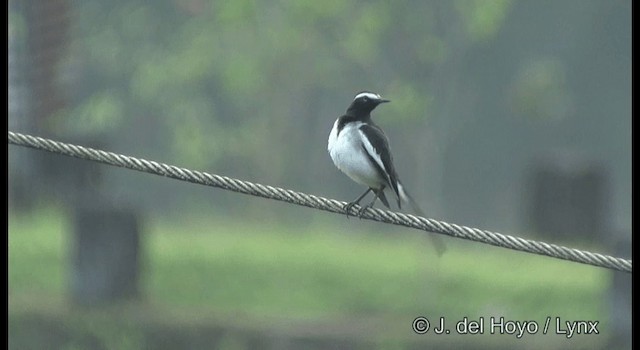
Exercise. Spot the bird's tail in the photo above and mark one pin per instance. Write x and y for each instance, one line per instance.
(436, 239)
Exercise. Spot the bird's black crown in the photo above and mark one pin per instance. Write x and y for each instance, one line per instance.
(364, 102)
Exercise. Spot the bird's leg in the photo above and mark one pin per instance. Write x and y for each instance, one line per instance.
(363, 209)
(347, 208)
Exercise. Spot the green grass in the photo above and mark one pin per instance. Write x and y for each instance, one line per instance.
(329, 270)
(38, 246)
(319, 270)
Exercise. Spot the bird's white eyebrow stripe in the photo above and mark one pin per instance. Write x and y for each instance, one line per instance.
(368, 94)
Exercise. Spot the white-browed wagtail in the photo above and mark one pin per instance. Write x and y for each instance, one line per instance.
(360, 149)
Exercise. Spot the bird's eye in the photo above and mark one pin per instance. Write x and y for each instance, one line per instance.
(365, 99)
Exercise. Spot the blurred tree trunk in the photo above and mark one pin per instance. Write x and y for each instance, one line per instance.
(106, 254)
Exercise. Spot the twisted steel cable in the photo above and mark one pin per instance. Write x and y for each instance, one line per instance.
(321, 203)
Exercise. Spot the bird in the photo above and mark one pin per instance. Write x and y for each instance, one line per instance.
(360, 149)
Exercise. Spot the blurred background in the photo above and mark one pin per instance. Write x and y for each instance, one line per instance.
(509, 115)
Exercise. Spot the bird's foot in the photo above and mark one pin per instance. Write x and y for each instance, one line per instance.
(363, 210)
(348, 207)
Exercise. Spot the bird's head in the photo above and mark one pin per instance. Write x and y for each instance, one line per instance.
(365, 102)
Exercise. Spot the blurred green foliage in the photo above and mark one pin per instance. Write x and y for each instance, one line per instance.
(219, 78)
(482, 19)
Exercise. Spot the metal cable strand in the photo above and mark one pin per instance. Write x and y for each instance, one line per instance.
(316, 202)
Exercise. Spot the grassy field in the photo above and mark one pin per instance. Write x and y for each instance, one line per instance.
(319, 271)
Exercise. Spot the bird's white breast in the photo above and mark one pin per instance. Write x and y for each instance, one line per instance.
(345, 149)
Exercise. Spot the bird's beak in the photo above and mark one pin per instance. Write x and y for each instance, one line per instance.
(384, 101)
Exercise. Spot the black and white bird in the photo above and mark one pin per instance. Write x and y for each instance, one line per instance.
(360, 149)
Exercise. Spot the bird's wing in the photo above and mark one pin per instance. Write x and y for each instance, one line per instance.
(377, 147)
